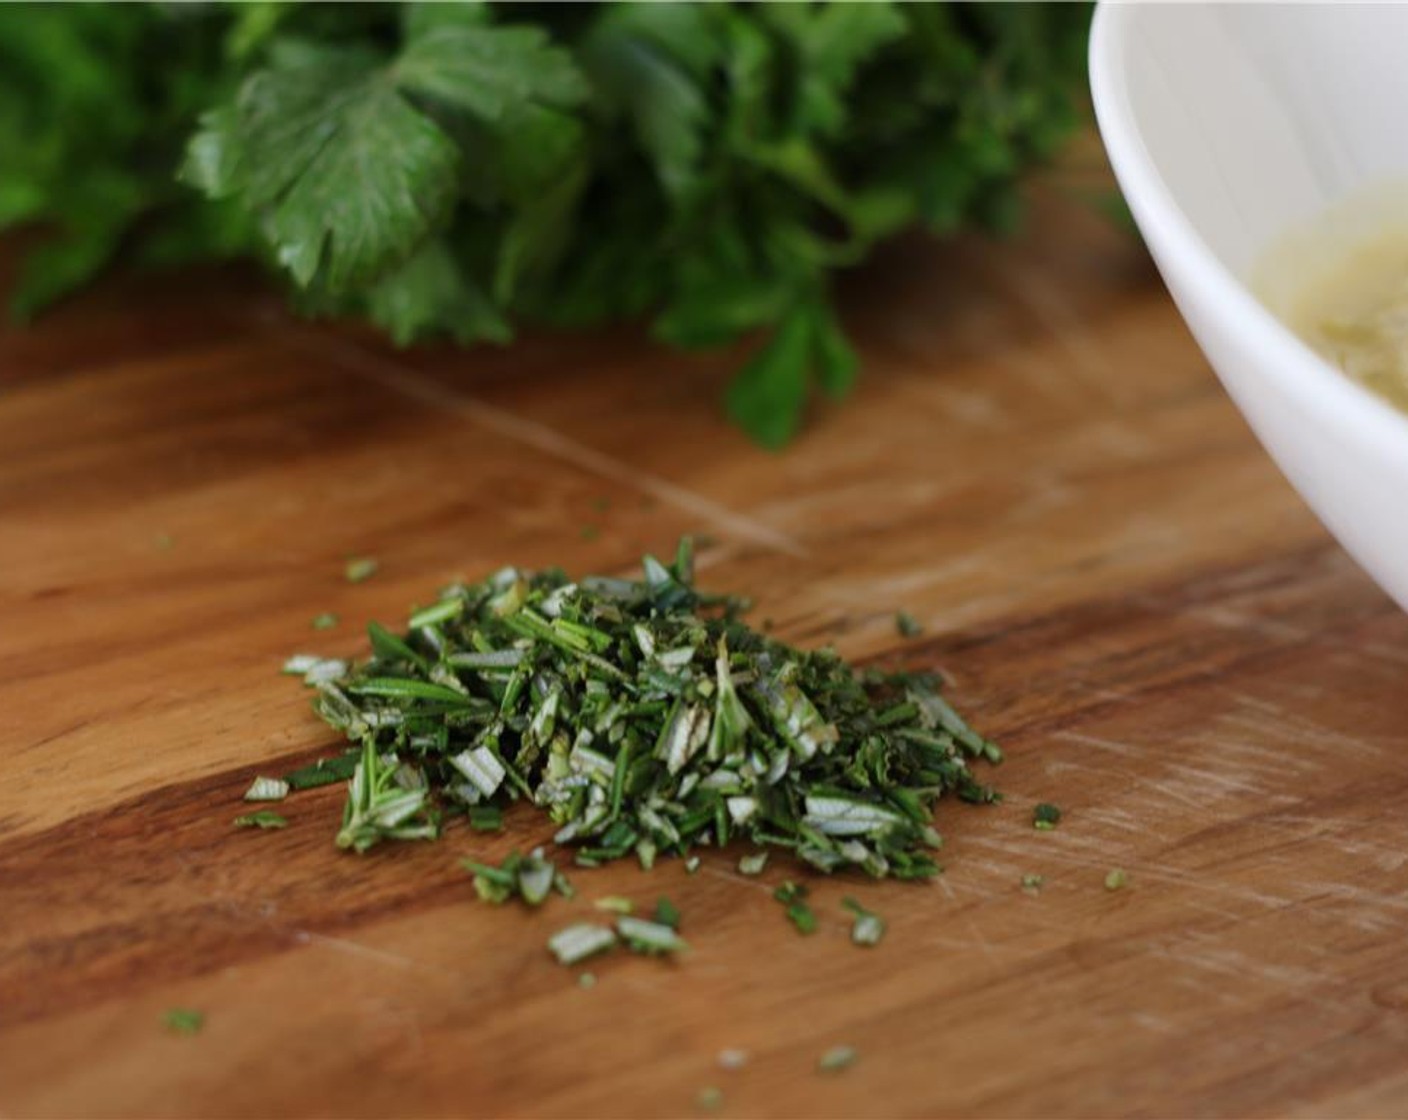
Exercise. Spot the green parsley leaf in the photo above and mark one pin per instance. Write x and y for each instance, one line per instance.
(347, 171)
(431, 293)
(832, 42)
(647, 61)
(489, 71)
(767, 396)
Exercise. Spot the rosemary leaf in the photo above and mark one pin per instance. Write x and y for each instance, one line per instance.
(579, 941)
(261, 819)
(867, 928)
(183, 1021)
(837, 1058)
(793, 898)
(652, 938)
(324, 772)
(267, 789)
(1046, 816)
(667, 913)
(486, 818)
(360, 568)
(442, 611)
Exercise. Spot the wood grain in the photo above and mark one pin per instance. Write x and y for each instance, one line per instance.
(1037, 465)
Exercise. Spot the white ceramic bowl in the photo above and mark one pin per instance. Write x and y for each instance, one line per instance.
(1228, 126)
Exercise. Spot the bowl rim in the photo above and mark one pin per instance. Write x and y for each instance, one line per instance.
(1294, 365)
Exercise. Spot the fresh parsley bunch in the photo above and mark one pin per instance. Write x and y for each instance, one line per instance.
(457, 169)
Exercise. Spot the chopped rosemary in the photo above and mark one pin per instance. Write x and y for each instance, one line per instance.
(532, 878)
(653, 938)
(360, 568)
(753, 864)
(183, 1021)
(907, 625)
(324, 772)
(1046, 816)
(386, 800)
(1116, 879)
(788, 891)
(709, 1099)
(586, 980)
(1032, 884)
(261, 819)
(442, 611)
(579, 941)
(615, 904)
(267, 789)
(868, 928)
(667, 913)
(325, 621)
(645, 718)
(793, 897)
(486, 818)
(801, 916)
(837, 1059)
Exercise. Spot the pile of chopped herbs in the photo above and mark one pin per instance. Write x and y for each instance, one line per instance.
(457, 170)
(646, 718)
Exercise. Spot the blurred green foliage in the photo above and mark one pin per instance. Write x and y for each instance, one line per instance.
(456, 169)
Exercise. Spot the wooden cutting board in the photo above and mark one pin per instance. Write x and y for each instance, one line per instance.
(1037, 465)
